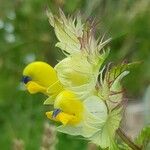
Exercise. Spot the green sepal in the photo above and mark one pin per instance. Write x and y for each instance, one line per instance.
(49, 101)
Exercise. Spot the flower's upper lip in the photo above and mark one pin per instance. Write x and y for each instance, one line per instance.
(26, 79)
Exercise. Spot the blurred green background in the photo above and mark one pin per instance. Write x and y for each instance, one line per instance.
(25, 36)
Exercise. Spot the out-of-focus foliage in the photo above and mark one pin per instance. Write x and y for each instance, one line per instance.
(144, 137)
(25, 35)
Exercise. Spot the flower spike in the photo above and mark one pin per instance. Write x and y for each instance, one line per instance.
(86, 95)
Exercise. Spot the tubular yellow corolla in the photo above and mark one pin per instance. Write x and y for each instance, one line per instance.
(71, 108)
(39, 77)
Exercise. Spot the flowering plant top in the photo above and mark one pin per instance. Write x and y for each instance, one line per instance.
(86, 94)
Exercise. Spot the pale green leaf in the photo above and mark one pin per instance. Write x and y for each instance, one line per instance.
(105, 137)
(96, 107)
(82, 130)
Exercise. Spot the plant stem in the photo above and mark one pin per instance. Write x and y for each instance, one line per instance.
(127, 140)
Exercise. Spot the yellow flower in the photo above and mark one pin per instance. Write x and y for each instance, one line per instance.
(85, 97)
(41, 77)
(78, 117)
(71, 108)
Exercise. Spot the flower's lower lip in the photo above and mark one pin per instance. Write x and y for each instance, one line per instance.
(34, 87)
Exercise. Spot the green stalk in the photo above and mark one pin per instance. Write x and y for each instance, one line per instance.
(127, 140)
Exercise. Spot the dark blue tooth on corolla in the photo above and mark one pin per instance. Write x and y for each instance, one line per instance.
(56, 112)
(26, 79)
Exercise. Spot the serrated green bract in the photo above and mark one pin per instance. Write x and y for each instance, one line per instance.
(85, 55)
(67, 31)
(110, 87)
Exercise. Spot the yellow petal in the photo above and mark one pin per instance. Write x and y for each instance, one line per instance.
(33, 87)
(62, 117)
(49, 114)
(41, 73)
